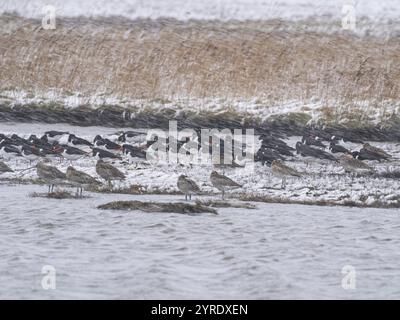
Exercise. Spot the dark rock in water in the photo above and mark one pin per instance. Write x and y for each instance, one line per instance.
(177, 207)
(54, 195)
(225, 204)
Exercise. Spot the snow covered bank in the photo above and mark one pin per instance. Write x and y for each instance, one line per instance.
(322, 183)
(208, 9)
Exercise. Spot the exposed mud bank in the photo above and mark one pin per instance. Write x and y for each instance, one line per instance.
(183, 208)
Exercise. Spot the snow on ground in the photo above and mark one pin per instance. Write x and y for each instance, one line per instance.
(262, 109)
(321, 182)
(207, 9)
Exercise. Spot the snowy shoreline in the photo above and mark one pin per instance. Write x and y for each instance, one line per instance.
(323, 183)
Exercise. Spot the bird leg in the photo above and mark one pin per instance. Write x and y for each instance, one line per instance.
(190, 197)
(223, 194)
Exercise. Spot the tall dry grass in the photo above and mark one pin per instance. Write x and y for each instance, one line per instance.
(167, 59)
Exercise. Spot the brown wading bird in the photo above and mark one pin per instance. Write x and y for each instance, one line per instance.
(354, 166)
(223, 183)
(108, 172)
(281, 170)
(187, 186)
(5, 168)
(80, 179)
(375, 150)
(50, 174)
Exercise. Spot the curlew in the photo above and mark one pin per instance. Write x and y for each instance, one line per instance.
(223, 183)
(187, 186)
(108, 172)
(50, 174)
(283, 171)
(80, 179)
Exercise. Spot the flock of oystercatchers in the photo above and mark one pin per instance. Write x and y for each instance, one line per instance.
(132, 145)
(68, 146)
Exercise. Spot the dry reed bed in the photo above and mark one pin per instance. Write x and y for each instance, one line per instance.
(167, 59)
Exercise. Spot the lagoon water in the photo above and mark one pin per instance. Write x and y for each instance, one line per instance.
(274, 251)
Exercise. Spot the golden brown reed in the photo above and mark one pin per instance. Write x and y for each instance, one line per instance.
(168, 59)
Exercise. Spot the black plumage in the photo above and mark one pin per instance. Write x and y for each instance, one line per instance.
(337, 148)
(308, 151)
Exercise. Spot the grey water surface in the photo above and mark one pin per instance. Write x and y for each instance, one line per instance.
(275, 251)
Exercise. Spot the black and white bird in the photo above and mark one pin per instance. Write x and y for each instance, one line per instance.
(106, 144)
(80, 179)
(266, 155)
(5, 139)
(108, 172)
(103, 154)
(337, 148)
(48, 149)
(78, 142)
(54, 136)
(132, 137)
(223, 183)
(18, 141)
(307, 151)
(133, 152)
(279, 146)
(72, 153)
(31, 153)
(8, 151)
(312, 140)
(51, 175)
(187, 186)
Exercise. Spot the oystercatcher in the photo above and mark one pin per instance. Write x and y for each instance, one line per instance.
(8, 151)
(337, 148)
(72, 153)
(53, 136)
(106, 144)
(132, 137)
(77, 142)
(31, 153)
(307, 151)
(103, 154)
